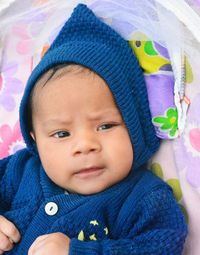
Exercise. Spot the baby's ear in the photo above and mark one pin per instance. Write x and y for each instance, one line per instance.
(32, 135)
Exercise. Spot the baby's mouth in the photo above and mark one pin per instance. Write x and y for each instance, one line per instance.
(89, 171)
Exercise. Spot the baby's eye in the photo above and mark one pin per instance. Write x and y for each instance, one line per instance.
(107, 126)
(61, 134)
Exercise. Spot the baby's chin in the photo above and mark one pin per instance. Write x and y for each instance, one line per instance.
(86, 191)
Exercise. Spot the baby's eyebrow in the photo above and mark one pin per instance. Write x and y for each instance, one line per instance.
(108, 113)
(53, 121)
(95, 116)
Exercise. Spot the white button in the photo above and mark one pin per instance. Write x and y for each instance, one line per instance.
(51, 208)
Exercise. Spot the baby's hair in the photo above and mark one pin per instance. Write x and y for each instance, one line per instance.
(52, 74)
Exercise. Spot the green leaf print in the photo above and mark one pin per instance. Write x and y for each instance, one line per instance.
(168, 122)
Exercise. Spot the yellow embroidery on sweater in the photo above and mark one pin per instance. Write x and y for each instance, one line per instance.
(106, 231)
(93, 237)
(81, 236)
(94, 222)
(93, 232)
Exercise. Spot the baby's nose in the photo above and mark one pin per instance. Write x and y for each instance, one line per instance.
(86, 143)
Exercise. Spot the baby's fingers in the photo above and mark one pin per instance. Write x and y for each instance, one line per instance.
(5, 243)
(8, 229)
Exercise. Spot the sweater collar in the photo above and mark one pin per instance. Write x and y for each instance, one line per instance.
(49, 188)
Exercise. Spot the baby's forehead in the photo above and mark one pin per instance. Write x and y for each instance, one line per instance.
(58, 74)
(59, 71)
(55, 73)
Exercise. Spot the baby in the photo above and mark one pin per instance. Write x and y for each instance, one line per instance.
(81, 187)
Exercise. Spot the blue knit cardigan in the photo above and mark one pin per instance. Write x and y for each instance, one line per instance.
(137, 216)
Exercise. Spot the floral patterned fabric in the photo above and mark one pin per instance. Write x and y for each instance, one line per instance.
(24, 39)
(154, 60)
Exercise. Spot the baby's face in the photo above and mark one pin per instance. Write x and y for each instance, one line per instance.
(81, 138)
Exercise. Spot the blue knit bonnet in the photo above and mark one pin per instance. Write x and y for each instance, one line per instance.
(86, 40)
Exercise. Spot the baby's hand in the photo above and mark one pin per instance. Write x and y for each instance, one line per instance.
(8, 235)
(56, 243)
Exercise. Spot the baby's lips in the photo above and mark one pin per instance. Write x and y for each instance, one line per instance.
(88, 169)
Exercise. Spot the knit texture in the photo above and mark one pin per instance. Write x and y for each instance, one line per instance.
(136, 216)
(87, 41)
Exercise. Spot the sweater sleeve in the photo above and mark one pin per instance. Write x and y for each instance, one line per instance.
(160, 229)
(11, 171)
(3, 195)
